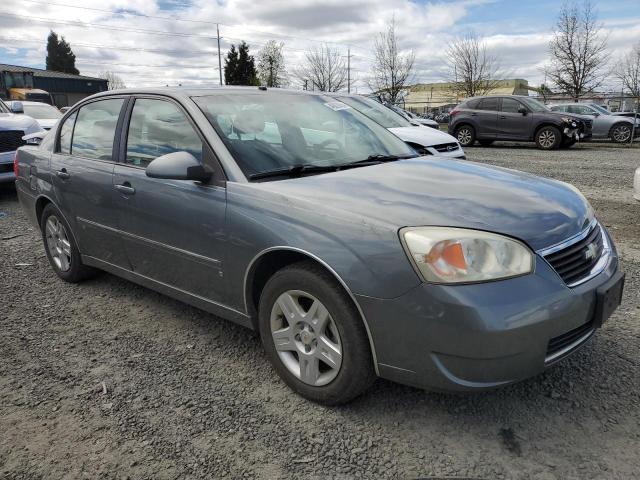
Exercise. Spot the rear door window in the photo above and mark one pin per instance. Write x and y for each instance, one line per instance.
(491, 104)
(95, 129)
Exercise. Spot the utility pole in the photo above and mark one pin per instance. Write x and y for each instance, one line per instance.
(219, 58)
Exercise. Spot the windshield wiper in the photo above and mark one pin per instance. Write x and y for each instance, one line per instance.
(294, 171)
(378, 158)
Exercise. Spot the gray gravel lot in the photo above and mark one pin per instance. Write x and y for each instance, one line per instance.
(106, 379)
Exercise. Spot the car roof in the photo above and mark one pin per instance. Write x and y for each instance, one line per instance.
(201, 91)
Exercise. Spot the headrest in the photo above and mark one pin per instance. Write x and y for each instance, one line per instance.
(249, 121)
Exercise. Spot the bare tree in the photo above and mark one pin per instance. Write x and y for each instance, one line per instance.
(391, 70)
(472, 70)
(324, 69)
(271, 66)
(114, 82)
(578, 50)
(628, 71)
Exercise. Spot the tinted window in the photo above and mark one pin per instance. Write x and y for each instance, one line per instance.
(559, 108)
(66, 130)
(472, 104)
(580, 110)
(489, 104)
(510, 105)
(157, 128)
(95, 129)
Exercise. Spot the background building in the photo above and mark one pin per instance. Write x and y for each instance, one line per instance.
(427, 97)
(65, 88)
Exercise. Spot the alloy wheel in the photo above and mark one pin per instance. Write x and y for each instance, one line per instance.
(306, 338)
(547, 138)
(58, 243)
(464, 136)
(621, 133)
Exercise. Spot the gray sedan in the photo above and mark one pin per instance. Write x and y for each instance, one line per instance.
(618, 129)
(293, 214)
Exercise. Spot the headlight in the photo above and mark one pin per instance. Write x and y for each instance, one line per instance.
(458, 255)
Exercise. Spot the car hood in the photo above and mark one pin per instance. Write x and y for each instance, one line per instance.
(422, 136)
(431, 191)
(9, 121)
(47, 123)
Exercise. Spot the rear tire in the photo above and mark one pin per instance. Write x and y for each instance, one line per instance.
(486, 143)
(548, 138)
(466, 135)
(323, 351)
(620, 133)
(60, 247)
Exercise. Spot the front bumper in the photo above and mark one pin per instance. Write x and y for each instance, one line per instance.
(6, 167)
(481, 336)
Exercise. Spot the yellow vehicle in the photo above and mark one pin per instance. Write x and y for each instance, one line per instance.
(19, 86)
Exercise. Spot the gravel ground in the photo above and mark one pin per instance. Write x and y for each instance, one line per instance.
(106, 379)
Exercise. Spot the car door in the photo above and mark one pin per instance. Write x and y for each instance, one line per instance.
(173, 230)
(600, 127)
(82, 176)
(512, 123)
(487, 117)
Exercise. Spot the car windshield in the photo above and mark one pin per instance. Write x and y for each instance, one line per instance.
(534, 105)
(41, 111)
(600, 109)
(377, 112)
(283, 131)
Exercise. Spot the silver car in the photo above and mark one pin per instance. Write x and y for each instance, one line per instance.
(294, 214)
(618, 129)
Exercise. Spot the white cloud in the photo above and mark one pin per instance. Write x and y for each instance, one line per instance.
(146, 59)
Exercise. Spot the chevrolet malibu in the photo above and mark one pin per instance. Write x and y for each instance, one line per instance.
(295, 215)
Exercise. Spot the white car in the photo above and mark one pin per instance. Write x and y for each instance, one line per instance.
(12, 129)
(426, 141)
(413, 118)
(46, 115)
(636, 185)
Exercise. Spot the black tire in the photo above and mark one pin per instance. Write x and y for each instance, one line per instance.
(621, 133)
(356, 372)
(567, 142)
(486, 143)
(466, 135)
(76, 271)
(548, 138)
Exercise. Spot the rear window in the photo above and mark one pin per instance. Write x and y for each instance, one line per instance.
(472, 104)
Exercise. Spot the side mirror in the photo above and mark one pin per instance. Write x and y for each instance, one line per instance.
(523, 110)
(178, 166)
(595, 114)
(17, 107)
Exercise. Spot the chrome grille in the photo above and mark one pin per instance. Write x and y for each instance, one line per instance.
(445, 147)
(575, 261)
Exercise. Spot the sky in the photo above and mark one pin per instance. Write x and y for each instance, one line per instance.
(171, 42)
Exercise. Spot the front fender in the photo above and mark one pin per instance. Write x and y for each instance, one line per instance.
(367, 257)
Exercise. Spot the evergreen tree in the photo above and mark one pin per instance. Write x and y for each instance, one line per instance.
(60, 57)
(240, 67)
(231, 67)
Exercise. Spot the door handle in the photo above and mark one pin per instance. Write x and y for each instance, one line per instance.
(474, 114)
(125, 188)
(63, 174)
(502, 117)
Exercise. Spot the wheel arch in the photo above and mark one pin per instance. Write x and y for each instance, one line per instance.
(546, 123)
(617, 124)
(41, 202)
(269, 261)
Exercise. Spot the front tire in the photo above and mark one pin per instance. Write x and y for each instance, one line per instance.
(548, 138)
(568, 142)
(61, 248)
(313, 335)
(466, 135)
(620, 133)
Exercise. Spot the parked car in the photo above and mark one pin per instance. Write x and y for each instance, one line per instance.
(605, 125)
(45, 114)
(413, 118)
(636, 185)
(422, 140)
(517, 118)
(442, 118)
(348, 253)
(12, 129)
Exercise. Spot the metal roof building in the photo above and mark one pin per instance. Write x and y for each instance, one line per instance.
(65, 88)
